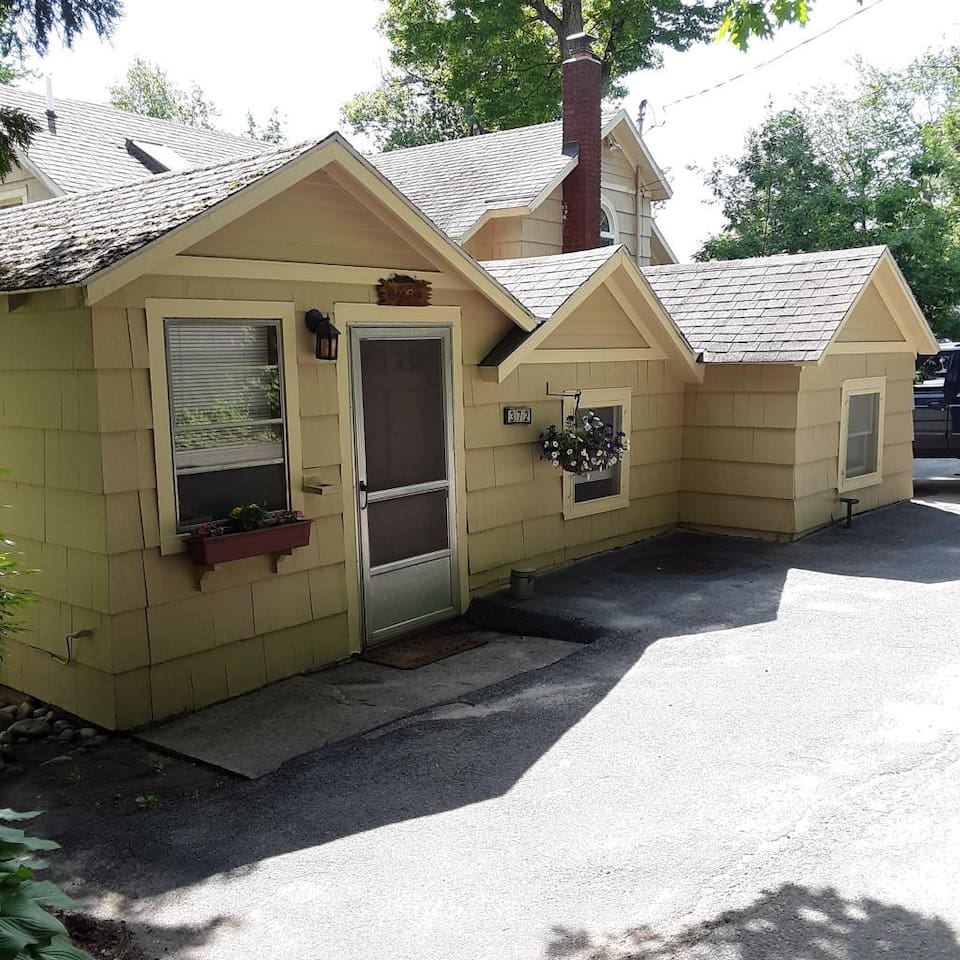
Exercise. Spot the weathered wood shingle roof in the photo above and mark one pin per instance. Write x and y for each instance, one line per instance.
(769, 309)
(66, 240)
(84, 147)
(454, 183)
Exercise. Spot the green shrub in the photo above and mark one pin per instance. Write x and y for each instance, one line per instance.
(12, 601)
(27, 930)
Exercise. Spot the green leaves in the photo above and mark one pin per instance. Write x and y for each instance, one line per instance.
(27, 930)
(467, 66)
(745, 19)
(148, 90)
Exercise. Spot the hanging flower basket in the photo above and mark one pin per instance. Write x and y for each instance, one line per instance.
(250, 532)
(403, 291)
(585, 444)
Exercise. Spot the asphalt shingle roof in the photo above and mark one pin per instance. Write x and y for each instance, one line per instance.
(544, 284)
(65, 240)
(85, 148)
(456, 182)
(769, 309)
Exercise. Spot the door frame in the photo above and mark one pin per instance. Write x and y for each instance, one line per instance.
(347, 315)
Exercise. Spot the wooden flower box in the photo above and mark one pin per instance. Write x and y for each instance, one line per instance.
(403, 291)
(276, 541)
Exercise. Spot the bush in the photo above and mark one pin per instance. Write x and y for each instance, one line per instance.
(12, 601)
(27, 930)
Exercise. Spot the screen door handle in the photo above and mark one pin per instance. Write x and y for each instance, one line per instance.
(362, 488)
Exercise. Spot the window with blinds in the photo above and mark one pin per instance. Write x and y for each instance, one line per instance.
(226, 416)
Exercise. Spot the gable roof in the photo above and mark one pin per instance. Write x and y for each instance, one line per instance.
(459, 183)
(544, 284)
(107, 238)
(65, 240)
(553, 287)
(768, 309)
(85, 147)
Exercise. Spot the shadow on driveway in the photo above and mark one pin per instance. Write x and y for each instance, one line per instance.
(680, 585)
(789, 923)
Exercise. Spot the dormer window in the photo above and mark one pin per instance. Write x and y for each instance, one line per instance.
(608, 226)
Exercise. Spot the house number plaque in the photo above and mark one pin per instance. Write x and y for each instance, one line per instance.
(517, 415)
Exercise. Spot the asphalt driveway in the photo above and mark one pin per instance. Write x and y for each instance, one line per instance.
(758, 757)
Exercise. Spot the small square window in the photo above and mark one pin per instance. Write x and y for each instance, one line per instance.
(600, 490)
(861, 433)
(600, 483)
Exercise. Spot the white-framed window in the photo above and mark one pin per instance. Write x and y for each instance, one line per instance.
(225, 405)
(608, 225)
(601, 490)
(12, 196)
(861, 433)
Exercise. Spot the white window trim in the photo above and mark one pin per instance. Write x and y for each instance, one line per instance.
(15, 192)
(589, 399)
(159, 311)
(852, 388)
(611, 213)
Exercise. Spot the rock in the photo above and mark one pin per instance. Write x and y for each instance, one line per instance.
(5, 721)
(10, 710)
(31, 728)
(40, 713)
(97, 740)
(87, 733)
(3, 763)
(66, 735)
(61, 759)
(6, 751)
(7, 737)
(59, 725)
(23, 739)
(25, 709)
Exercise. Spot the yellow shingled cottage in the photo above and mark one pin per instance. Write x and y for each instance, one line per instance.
(178, 346)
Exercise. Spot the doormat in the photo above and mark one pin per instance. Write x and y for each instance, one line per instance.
(414, 652)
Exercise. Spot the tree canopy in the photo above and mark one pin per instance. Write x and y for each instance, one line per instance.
(148, 90)
(272, 130)
(879, 166)
(468, 66)
(26, 26)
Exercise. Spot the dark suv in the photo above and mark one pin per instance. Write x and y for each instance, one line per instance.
(936, 404)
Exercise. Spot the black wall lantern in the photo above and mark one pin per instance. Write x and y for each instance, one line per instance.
(328, 335)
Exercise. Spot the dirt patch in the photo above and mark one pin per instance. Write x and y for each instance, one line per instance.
(121, 778)
(102, 939)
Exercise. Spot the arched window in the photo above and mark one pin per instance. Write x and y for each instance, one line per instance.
(608, 226)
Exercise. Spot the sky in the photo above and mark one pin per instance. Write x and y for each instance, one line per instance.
(308, 58)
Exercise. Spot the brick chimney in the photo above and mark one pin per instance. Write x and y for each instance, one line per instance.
(582, 92)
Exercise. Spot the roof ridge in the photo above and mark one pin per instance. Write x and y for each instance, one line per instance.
(874, 249)
(472, 138)
(109, 108)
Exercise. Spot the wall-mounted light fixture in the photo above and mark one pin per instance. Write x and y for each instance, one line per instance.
(327, 334)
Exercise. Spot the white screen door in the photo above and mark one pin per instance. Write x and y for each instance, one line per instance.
(403, 433)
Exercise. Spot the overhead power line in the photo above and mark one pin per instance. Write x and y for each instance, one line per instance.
(765, 63)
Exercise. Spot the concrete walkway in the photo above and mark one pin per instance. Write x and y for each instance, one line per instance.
(758, 759)
(254, 734)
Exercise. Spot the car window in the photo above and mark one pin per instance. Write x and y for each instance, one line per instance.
(932, 371)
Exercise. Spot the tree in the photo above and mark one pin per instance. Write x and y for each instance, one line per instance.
(270, 132)
(27, 25)
(778, 197)
(148, 90)
(467, 66)
(473, 65)
(879, 167)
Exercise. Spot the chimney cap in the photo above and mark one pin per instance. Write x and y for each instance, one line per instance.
(580, 45)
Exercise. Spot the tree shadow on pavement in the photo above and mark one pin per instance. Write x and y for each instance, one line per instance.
(793, 922)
